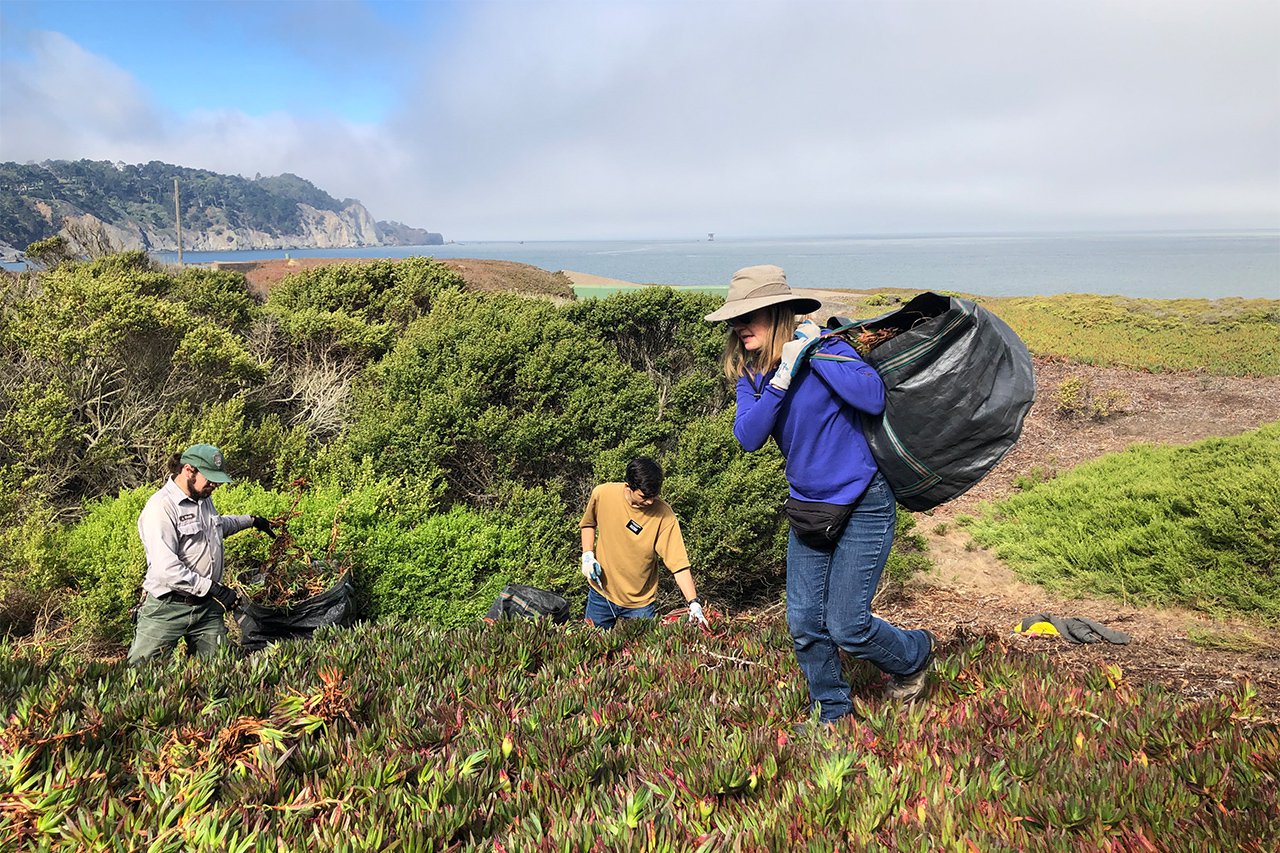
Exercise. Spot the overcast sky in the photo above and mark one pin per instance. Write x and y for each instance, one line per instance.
(531, 119)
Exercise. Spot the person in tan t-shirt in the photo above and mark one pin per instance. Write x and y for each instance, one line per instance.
(630, 528)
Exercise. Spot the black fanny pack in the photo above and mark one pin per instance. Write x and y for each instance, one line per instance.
(818, 524)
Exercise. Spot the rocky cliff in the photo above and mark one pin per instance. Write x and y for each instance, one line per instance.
(103, 205)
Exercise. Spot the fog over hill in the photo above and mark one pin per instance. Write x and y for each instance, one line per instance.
(99, 204)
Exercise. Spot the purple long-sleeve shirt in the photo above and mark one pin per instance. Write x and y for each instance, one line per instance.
(816, 423)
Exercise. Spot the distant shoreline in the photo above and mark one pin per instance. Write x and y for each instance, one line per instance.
(1140, 265)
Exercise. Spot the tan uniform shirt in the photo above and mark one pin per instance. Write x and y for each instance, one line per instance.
(183, 541)
(629, 542)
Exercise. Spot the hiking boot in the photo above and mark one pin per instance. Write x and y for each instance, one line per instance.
(907, 688)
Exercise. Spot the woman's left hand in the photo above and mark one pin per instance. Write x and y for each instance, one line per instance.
(806, 333)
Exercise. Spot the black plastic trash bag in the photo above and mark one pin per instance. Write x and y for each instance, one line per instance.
(528, 602)
(261, 625)
(958, 384)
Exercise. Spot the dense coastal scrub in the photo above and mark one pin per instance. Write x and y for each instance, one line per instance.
(531, 737)
(443, 440)
(1197, 526)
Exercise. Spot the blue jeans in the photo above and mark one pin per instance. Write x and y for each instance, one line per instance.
(603, 613)
(829, 604)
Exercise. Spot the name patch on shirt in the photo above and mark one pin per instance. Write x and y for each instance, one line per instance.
(634, 528)
(187, 516)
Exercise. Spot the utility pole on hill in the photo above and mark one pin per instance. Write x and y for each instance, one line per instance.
(177, 217)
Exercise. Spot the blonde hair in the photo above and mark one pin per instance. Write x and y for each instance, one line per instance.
(737, 361)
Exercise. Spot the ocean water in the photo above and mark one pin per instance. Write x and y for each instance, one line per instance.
(1207, 265)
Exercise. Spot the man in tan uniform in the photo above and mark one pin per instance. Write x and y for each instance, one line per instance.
(631, 528)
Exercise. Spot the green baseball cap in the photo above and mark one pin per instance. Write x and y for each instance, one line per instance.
(206, 459)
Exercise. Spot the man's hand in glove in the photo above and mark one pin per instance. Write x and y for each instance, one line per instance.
(263, 524)
(225, 596)
(806, 332)
(590, 568)
(695, 612)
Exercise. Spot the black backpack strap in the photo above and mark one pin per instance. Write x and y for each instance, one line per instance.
(757, 384)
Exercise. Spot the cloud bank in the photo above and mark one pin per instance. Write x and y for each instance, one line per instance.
(576, 120)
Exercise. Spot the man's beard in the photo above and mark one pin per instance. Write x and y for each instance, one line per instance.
(200, 494)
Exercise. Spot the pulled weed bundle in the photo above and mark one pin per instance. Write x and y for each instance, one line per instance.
(290, 573)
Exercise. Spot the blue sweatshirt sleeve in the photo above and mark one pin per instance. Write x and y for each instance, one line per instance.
(755, 419)
(851, 379)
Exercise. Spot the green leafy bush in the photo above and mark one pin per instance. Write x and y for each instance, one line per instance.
(357, 310)
(730, 507)
(494, 389)
(103, 562)
(96, 354)
(661, 333)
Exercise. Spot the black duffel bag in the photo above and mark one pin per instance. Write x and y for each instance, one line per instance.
(261, 625)
(958, 384)
(528, 602)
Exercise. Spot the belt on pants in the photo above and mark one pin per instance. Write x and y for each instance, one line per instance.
(183, 597)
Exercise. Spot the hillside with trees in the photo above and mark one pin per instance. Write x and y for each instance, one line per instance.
(132, 207)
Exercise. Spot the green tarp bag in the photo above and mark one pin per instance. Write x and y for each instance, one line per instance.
(958, 384)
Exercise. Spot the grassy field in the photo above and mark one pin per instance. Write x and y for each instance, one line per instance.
(1228, 337)
(525, 736)
(1197, 525)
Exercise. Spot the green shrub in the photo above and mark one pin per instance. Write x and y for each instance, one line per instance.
(730, 507)
(219, 296)
(660, 333)
(492, 389)
(1197, 526)
(357, 310)
(102, 562)
(96, 355)
(448, 569)
(28, 534)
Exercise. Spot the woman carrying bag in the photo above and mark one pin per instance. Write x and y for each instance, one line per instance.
(841, 510)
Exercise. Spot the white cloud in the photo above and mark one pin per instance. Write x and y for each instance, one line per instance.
(66, 103)
(537, 120)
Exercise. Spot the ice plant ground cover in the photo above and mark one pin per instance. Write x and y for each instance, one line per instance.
(524, 736)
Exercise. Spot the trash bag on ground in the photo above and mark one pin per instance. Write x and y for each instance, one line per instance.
(958, 384)
(261, 625)
(517, 601)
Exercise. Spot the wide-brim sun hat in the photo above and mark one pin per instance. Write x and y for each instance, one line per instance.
(758, 287)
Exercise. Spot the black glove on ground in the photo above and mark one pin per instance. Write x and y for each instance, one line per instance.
(227, 597)
(260, 523)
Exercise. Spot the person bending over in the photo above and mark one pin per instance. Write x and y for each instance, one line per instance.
(626, 528)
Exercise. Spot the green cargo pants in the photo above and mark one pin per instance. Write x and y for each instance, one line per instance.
(161, 624)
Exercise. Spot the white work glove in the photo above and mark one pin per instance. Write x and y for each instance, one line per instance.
(695, 612)
(806, 332)
(590, 568)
